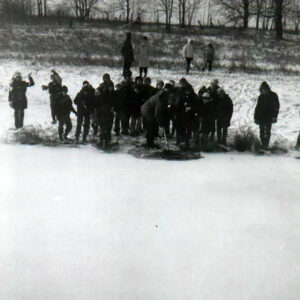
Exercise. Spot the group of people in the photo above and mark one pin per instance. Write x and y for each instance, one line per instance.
(142, 54)
(134, 106)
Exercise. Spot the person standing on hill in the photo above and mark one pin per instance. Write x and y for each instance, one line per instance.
(209, 56)
(127, 53)
(143, 56)
(188, 54)
(17, 97)
(266, 113)
(85, 101)
(64, 107)
(54, 88)
(224, 110)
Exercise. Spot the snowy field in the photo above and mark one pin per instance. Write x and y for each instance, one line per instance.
(77, 223)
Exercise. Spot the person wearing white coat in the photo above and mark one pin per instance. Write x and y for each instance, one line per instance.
(143, 56)
(188, 54)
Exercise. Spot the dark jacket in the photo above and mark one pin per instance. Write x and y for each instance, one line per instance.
(186, 107)
(64, 106)
(209, 115)
(85, 100)
(127, 51)
(155, 109)
(105, 103)
(17, 93)
(55, 89)
(127, 98)
(267, 108)
(224, 110)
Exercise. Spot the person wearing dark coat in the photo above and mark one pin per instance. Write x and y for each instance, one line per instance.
(155, 114)
(179, 110)
(127, 101)
(266, 112)
(209, 56)
(118, 109)
(208, 124)
(105, 106)
(55, 91)
(63, 109)
(224, 110)
(149, 89)
(17, 97)
(127, 53)
(85, 101)
(140, 99)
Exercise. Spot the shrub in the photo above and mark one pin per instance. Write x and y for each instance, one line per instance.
(245, 140)
(34, 135)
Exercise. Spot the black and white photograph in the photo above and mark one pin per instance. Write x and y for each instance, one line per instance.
(149, 149)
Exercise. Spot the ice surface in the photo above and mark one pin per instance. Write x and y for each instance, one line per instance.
(76, 223)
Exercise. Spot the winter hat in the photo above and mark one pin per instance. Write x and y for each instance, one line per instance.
(106, 75)
(264, 85)
(64, 89)
(206, 95)
(172, 82)
(127, 73)
(85, 83)
(147, 79)
(159, 82)
(168, 86)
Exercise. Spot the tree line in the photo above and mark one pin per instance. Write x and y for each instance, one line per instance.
(263, 14)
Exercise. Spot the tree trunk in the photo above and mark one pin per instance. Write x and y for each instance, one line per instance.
(278, 19)
(246, 14)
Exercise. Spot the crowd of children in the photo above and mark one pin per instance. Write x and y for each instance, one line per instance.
(134, 106)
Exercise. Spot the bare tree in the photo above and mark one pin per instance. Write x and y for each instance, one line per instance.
(83, 8)
(167, 7)
(192, 7)
(238, 11)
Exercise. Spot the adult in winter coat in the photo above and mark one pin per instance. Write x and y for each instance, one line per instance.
(266, 112)
(143, 56)
(17, 97)
(155, 114)
(224, 110)
(64, 107)
(85, 101)
(55, 90)
(188, 54)
(209, 56)
(127, 53)
(105, 105)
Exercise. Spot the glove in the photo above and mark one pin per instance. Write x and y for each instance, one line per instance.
(11, 104)
(256, 122)
(274, 120)
(161, 131)
(44, 87)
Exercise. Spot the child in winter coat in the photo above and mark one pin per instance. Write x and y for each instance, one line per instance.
(54, 88)
(64, 107)
(85, 101)
(188, 54)
(105, 106)
(224, 110)
(17, 97)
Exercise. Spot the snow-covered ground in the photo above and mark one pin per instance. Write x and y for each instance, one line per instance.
(77, 223)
